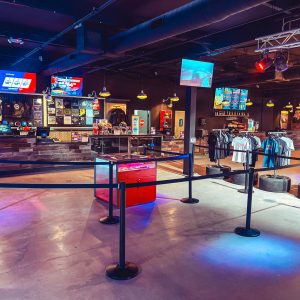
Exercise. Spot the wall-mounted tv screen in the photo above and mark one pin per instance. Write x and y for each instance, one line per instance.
(196, 73)
(230, 98)
(17, 82)
(66, 86)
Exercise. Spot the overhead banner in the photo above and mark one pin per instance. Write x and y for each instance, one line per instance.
(19, 82)
(66, 86)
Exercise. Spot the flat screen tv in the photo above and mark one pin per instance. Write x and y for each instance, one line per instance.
(196, 73)
(17, 82)
(66, 86)
(230, 98)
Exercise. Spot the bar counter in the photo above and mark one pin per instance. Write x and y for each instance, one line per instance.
(27, 148)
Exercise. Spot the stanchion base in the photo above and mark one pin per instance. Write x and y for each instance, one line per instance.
(243, 191)
(242, 231)
(189, 200)
(131, 270)
(109, 220)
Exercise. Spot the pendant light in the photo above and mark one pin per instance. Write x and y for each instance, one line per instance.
(142, 95)
(175, 98)
(104, 92)
(249, 102)
(298, 107)
(284, 112)
(270, 104)
(289, 105)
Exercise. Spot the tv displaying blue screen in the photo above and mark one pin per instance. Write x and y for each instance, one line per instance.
(196, 73)
(230, 98)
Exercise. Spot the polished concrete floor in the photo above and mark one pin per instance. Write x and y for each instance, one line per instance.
(52, 246)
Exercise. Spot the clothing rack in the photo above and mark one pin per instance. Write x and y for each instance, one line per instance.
(220, 130)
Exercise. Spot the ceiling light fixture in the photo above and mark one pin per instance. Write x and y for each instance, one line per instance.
(289, 105)
(281, 62)
(264, 63)
(12, 40)
(249, 102)
(175, 98)
(104, 92)
(298, 107)
(270, 103)
(142, 95)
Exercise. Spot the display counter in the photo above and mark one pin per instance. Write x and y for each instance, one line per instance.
(128, 172)
(27, 148)
(134, 144)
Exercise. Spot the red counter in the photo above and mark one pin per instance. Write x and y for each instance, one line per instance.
(129, 173)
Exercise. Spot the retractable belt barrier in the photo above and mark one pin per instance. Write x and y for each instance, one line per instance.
(125, 270)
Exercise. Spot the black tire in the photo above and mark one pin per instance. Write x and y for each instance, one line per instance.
(240, 179)
(277, 184)
(214, 169)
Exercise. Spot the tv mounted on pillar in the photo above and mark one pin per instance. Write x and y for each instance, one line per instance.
(196, 73)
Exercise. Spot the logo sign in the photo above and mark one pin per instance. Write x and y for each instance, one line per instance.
(142, 122)
(66, 86)
(20, 82)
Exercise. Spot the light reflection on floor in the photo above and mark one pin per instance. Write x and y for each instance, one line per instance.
(267, 253)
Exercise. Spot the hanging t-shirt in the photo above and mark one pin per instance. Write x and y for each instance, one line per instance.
(270, 147)
(290, 146)
(239, 143)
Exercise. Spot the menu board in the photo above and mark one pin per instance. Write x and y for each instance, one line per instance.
(70, 112)
(230, 99)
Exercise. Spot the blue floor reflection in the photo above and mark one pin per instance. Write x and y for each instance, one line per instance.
(267, 253)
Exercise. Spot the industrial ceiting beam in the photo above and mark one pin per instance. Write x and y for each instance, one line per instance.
(75, 25)
(194, 15)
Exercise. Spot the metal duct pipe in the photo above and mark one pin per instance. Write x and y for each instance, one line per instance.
(188, 17)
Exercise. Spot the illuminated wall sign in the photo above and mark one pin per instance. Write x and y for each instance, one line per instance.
(20, 82)
(66, 86)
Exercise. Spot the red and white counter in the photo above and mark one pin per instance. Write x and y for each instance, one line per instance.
(129, 172)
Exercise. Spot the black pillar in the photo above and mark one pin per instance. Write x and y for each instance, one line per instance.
(190, 123)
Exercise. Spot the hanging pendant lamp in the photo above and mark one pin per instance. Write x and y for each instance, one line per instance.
(175, 98)
(289, 105)
(298, 107)
(104, 92)
(249, 102)
(270, 103)
(142, 95)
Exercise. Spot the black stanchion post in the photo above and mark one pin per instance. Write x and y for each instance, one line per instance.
(245, 190)
(145, 150)
(248, 231)
(190, 199)
(110, 219)
(122, 270)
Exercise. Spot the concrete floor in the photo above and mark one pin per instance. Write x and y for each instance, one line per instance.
(52, 246)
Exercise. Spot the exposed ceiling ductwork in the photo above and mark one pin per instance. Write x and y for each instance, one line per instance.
(195, 15)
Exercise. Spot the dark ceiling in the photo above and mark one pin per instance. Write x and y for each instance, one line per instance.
(95, 45)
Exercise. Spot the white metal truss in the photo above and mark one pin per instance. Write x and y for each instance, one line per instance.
(282, 40)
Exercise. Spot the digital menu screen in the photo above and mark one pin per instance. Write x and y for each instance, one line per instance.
(18, 82)
(66, 86)
(196, 73)
(230, 99)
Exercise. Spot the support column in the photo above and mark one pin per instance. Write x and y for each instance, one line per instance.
(190, 123)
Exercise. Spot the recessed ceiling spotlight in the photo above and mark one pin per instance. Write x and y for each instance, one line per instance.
(12, 40)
